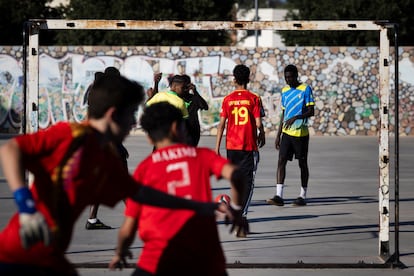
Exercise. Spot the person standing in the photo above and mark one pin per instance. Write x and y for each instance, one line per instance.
(176, 242)
(172, 96)
(93, 222)
(194, 103)
(241, 112)
(293, 135)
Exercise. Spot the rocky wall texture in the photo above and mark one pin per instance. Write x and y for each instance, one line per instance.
(344, 81)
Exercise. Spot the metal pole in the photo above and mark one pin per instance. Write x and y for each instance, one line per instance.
(26, 26)
(397, 152)
(384, 164)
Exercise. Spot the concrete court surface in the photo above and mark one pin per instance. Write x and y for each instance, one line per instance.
(337, 229)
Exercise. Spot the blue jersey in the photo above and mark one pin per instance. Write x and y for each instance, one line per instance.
(294, 102)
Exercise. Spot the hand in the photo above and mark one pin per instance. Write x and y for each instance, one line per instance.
(33, 229)
(119, 260)
(192, 87)
(289, 122)
(277, 142)
(150, 92)
(157, 77)
(240, 225)
(261, 139)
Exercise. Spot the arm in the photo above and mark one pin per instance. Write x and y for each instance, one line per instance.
(11, 159)
(310, 111)
(238, 189)
(152, 91)
(150, 196)
(230, 172)
(201, 103)
(261, 139)
(220, 131)
(33, 227)
(126, 236)
(279, 131)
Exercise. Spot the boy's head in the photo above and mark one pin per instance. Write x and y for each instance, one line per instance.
(177, 84)
(117, 93)
(291, 75)
(241, 74)
(162, 120)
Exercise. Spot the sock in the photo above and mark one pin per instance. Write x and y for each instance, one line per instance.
(303, 192)
(94, 220)
(279, 190)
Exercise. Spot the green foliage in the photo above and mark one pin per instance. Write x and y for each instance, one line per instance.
(395, 11)
(250, 4)
(148, 10)
(15, 13)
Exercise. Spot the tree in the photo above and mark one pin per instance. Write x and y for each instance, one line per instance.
(15, 13)
(250, 4)
(395, 11)
(148, 10)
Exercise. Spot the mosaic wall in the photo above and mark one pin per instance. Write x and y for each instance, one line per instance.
(344, 80)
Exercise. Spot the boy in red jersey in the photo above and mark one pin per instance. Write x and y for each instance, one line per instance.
(74, 165)
(176, 242)
(241, 110)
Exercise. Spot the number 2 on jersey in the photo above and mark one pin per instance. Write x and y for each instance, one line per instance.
(183, 182)
(241, 115)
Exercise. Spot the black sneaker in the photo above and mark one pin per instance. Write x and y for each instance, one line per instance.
(276, 200)
(300, 201)
(98, 225)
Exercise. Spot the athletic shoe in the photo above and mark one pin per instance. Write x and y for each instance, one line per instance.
(98, 225)
(300, 201)
(276, 200)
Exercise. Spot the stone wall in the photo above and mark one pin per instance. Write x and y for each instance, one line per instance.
(344, 81)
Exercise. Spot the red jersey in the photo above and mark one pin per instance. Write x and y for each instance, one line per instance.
(173, 237)
(73, 167)
(241, 108)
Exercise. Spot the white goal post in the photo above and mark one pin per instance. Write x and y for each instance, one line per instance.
(31, 70)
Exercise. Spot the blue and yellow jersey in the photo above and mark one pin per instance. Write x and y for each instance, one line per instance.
(294, 102)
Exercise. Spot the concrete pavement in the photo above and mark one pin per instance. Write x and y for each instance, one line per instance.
(335, 234)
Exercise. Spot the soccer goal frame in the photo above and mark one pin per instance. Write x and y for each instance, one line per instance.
(33, 27)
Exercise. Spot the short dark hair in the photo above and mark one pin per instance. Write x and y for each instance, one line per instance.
(111, 90)
(98, 75)
(112, 71)
(177, 79)
(242, 74)
(158, 118)
(187, 79)
(292, 68)
(108, 71)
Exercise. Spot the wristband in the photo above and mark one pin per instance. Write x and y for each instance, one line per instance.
(24, 200)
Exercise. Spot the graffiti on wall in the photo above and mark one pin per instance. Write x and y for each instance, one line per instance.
(344, 80)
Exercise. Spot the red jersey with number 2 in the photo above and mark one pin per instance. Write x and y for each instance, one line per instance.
(179, 241)
(241, 108)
